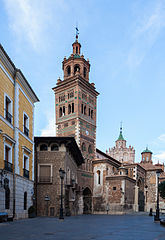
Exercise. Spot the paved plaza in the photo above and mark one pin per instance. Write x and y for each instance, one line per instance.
(86, 227)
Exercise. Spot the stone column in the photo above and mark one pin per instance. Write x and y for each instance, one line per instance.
(136, 205)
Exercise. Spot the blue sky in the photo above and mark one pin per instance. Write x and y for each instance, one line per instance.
(124, 41)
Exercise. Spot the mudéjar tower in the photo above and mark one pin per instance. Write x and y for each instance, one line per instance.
(75, 104)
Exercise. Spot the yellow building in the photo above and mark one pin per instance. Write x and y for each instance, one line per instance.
(16, 139)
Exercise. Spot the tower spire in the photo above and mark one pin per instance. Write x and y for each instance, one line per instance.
(121, 134)
(77, 32)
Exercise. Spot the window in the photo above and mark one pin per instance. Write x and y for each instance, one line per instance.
(98, 177)
(45, 174)
(69, 109)
(85, 72)
(92, 114)
(26, 124)
(90, 149)
(83, 147)
(76, 68)
(82, 108)
(68, 71)
(114, 188)
(25, 200)
(7, 198)
(26, 166)
(43, 147)
(89, 112)
(72, 107)
(76, 50)
(70, 94)
(60, 112)
(85, 110)
(54, 147)
(62, 98)
(8, 158)
(8, 108)
(63, 113)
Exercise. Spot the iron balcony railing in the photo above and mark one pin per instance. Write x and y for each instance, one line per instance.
(45, 179)
(8, 116)
(8, 166)
(26, 131)
(26, 173)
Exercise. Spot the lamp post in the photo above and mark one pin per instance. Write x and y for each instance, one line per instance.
(156, 217)
(62, 174)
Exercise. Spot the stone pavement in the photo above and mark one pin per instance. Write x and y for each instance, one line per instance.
(85, 227)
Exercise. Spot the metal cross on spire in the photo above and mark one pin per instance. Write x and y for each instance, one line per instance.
(121, 126)
(77, 31)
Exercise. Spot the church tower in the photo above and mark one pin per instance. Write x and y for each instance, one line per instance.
(120, 152)
(146, 156)
(75, 104)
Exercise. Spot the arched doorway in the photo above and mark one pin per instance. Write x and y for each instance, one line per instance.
(141, 195)
(87, 199)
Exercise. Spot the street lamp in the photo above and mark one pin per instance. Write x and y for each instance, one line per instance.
(62, 174)
(156, 217)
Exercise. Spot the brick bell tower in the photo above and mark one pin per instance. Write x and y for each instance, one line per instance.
(75, 104)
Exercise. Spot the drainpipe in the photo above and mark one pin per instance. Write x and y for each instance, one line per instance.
(15, 124)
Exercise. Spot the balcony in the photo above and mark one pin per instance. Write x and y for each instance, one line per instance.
(26, 131)
(45, 179)
(26, 173)
(8, 166)
(8, 116)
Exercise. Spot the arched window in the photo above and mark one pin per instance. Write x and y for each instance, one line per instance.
(25, 200)
(89, 112)
(63, 114)
(69, 109)
(7, 198)
(68, 70)
(83, 147)
(82, 108)
(85, 72)
(92, 114)
(72, 107)
(76, 68)
(90, 149)
(98, 177)
(43, 147)
(54, 147)
(85, 110)
(76, 50)
(60, 112)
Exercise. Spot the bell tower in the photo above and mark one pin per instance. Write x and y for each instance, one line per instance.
(76, 104)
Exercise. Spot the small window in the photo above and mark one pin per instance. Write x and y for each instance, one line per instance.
(82, 108)
(98, 177)
(76, 68)
(90, 149)
(45, 174)
(69, 109)
(76, 50)
(89, 112)
(25, 200)
(54, 147)
(60, 112)
(85, 72)
(43, 147)
(26, 124)
(72, 107)
(68, 70)
(85, 110)
(114, 188)
(8, 109)
(63, 113)
(92, 114)
(7, 198)
(83, 147)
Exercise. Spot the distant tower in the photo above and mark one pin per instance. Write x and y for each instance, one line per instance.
(120, 152)
(75, 104)
(146, 156)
